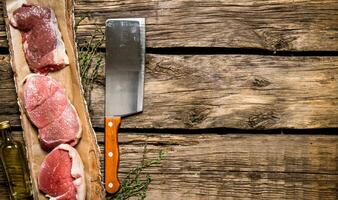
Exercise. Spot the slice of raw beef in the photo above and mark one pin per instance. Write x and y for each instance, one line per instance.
(61, 175)
(66, 123)
(50, 110)
(41, 37)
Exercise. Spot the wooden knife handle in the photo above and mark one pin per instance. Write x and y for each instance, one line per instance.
(111, 154)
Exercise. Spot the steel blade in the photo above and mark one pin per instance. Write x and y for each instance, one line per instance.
(124, 68)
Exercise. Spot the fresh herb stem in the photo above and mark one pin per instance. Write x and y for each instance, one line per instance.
(135, 184)
(90, 60)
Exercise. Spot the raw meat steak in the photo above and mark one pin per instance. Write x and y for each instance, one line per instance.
(67, 122)
(51, 112)
(42, 43)
(61, 175)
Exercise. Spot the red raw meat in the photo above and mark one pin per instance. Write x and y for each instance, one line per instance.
(61, 174)
(39, 88)
(51, 112)
(46, 112)
(41, 37)
(66, 123)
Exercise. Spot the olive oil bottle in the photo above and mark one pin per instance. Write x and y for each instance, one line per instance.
(14, 164)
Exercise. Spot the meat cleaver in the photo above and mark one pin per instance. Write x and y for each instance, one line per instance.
(125, 58)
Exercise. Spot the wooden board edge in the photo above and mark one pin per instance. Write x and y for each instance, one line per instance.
(69, 4)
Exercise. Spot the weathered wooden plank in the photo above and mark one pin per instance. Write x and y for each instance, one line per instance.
(8, 101)
(273, 25)
(236, 92)
(239, 166)
(233, 91)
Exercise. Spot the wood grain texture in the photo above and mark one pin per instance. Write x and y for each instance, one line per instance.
(232, 166)
(274, 25)
(233, 91)
(8, 101)
(111, 154)
(3, 36)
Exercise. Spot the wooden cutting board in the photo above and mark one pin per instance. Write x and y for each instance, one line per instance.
(70, 80)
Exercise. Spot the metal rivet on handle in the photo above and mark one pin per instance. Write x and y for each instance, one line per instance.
(110, 154)
(110, 185)
(110, 124)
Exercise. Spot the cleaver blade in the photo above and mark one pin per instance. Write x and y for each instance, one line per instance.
(124, 70)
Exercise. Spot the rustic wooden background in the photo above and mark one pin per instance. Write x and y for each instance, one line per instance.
(241, 94)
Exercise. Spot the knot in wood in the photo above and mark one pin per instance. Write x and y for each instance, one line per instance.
(262, 120)
(194, 116)
(260, 82)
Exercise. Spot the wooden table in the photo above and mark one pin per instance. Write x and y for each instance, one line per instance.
(241, 95)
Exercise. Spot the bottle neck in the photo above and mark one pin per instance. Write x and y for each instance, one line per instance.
(5, 135)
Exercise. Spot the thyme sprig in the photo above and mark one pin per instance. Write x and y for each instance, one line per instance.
(89, 58)
(136, 184)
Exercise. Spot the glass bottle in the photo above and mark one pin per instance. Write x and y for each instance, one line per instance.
(14, 164)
